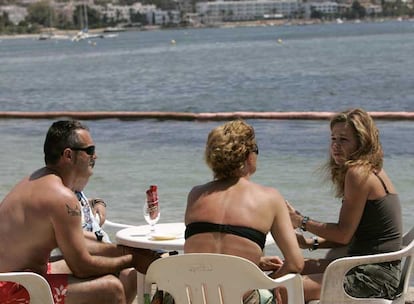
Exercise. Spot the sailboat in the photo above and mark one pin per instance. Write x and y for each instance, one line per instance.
(83, 33)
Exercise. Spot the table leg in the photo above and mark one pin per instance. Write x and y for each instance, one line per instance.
(140, 287)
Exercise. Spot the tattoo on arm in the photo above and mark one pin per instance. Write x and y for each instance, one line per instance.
(73, 211)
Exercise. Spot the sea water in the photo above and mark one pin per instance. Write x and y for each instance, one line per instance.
(315, 68)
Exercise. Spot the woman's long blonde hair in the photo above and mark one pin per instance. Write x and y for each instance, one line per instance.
(368, 156)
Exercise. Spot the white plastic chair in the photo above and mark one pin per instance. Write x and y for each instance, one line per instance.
(36, 285)
(215, 278)
(332, 291)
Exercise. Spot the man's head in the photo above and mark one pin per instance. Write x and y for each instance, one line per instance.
(61, 135)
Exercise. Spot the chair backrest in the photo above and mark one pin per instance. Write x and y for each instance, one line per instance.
(110, 224)
(408, 237)
(200, 278)
(332, 285)
(36, 285)
(408, 242)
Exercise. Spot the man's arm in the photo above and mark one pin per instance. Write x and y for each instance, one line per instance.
(66, 219)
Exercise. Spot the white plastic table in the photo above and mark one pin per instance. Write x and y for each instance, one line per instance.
(167, 236)
(140, 237)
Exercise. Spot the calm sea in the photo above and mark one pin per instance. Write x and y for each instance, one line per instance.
(315, 68)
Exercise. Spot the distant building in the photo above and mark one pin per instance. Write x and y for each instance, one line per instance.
(117, 12)
(15, 13)
(327, 8)
(185, 6)
(154, 16)
(27, 2)
(123, 13)
(218, 11)
(160, 17)
(373, 10)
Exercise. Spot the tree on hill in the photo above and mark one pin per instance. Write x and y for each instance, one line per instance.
(40, 13)
(4, 21)
(358, 10)
(94, 17)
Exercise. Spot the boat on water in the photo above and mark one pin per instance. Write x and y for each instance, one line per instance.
(114, 29)
(52, 36)
(44, 36)
(82, 35)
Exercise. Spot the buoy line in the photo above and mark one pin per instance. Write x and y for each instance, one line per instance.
(130, 115)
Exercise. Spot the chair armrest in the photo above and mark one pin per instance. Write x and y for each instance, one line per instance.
(294, 285)
(332, 285)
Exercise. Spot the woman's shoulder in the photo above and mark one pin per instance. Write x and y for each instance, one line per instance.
(265, 188)
(357, 171)
(202, 187)
(268, 193)
(360, 176)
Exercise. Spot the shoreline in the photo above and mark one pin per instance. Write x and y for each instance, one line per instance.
(235, 24)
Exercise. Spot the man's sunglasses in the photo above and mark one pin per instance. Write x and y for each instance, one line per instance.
(88, 150)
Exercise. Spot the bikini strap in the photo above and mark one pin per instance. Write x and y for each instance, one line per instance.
(382, 182)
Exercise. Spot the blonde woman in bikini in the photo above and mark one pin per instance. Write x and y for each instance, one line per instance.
(232, 215)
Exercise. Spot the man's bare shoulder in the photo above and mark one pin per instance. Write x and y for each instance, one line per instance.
(47, 188)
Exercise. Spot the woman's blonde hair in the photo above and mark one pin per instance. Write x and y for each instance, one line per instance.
(227, 148)
(368, 156)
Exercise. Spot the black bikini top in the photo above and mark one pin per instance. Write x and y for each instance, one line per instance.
(249, 233)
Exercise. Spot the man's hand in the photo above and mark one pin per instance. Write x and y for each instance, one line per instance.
(143, 258)
(99, 207)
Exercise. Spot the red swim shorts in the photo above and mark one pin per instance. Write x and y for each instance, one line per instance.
(14, 293)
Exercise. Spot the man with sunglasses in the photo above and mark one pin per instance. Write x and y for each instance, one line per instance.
(42, 212)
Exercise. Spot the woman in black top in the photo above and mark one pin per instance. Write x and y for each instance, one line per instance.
(370, 218)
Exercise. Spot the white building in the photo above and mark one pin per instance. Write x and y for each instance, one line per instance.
(15, 13)
(328, 8)
(154, 16)
(160, 17)
(373, 9)
(116, 12)
(123, 12)
(245, 10)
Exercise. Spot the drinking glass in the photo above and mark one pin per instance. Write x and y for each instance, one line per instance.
(151, 214)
